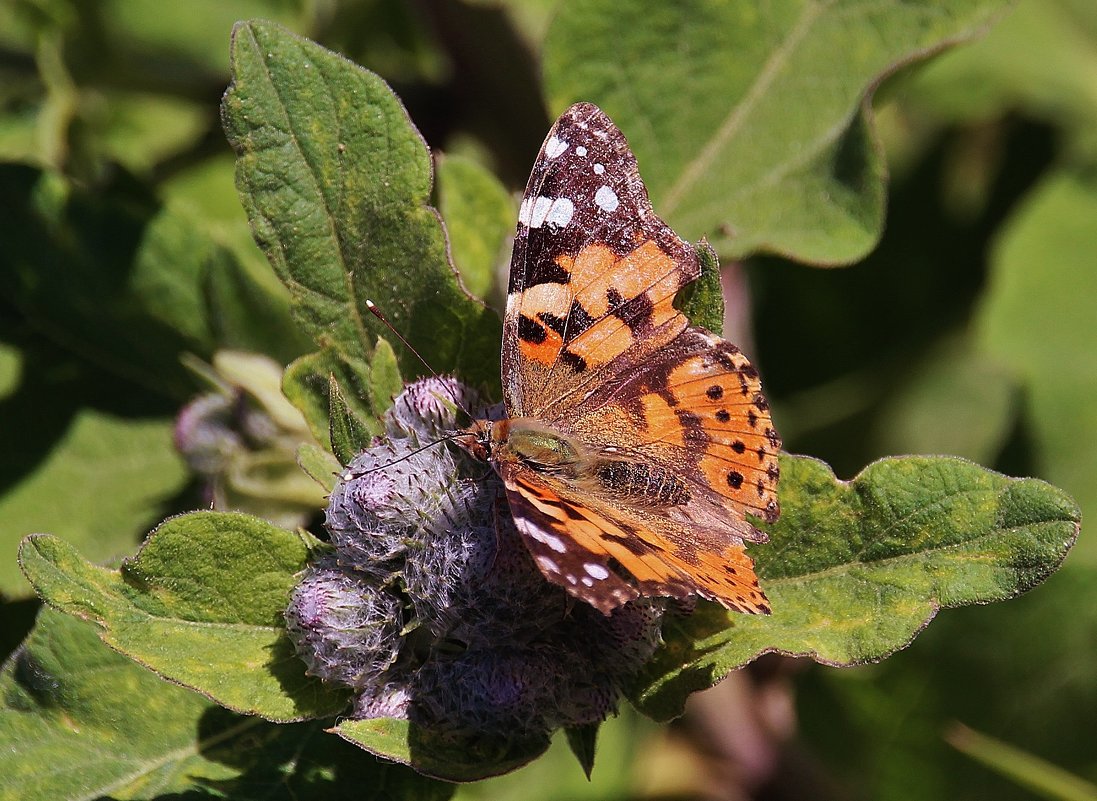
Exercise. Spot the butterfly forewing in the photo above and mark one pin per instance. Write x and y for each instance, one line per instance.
(594, 271)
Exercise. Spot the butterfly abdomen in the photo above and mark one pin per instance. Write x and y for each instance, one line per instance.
(641, 483)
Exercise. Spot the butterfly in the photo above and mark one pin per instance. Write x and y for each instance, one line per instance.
(635, 445)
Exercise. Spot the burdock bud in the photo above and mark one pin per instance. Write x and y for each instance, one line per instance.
(476, 582)
(427, 409)
(432, 608)
(623, 641)
(384, 496)
(504, 691)
(347, 630)
(383, 700)
(205, 433)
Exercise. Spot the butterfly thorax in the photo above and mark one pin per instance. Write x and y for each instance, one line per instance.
(553, 454)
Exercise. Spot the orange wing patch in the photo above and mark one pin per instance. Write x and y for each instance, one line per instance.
(607, 305)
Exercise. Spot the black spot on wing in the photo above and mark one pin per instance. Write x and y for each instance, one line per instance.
(579, 320)
(573, 360)
(636, 313)
(531, 331)
(541, 271)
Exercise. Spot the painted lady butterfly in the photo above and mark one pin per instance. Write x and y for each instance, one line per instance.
(635, 444)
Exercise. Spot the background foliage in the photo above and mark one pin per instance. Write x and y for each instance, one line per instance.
(965, 329)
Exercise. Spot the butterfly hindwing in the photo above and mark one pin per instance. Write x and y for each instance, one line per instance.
(696, 404)
(607, 554)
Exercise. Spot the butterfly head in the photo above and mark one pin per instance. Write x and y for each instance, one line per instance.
(477, 440)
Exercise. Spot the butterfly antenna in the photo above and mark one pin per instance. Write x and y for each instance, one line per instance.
(377, 313)
(420, 449)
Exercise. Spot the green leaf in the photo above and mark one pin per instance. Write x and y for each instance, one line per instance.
(95, 456)
(249, 309)
(321, 466)
(78, 720)
(753, 129)
(1020, 672)
(1037, 59)
(442, 757)
(349, 433)
(336, 182)
(307, 384)
(130, 301)
(854, 570)
(480, 217)
(703, 300)
(1037, 319)
(385, 381)
(141, 129)
(201, 604)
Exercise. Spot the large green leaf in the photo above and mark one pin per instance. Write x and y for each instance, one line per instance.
(96, 456)
(201, 604)
(79, 721)
(1037, 320)
(855, 570)
(1039, 59)
(336, 182)
(750, 120)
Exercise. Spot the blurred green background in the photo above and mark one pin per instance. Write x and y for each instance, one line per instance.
(971, 329)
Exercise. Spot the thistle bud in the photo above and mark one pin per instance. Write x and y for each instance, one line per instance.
(345, 628)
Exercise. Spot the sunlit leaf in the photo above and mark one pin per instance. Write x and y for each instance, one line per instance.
(201, 604)
(748, 121)
(854, 570)
(336, 181)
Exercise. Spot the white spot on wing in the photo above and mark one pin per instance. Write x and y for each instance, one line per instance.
(555, 146)
(550, 540)
(548, 564)
(606, 199)
(599, 169)
(523, 212)
(580, 151)
(539, 211)
(587, 581)
(560, 213)
(555, 212)
(596, 571)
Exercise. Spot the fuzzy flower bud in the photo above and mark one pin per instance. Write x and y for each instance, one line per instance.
(346, 629)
